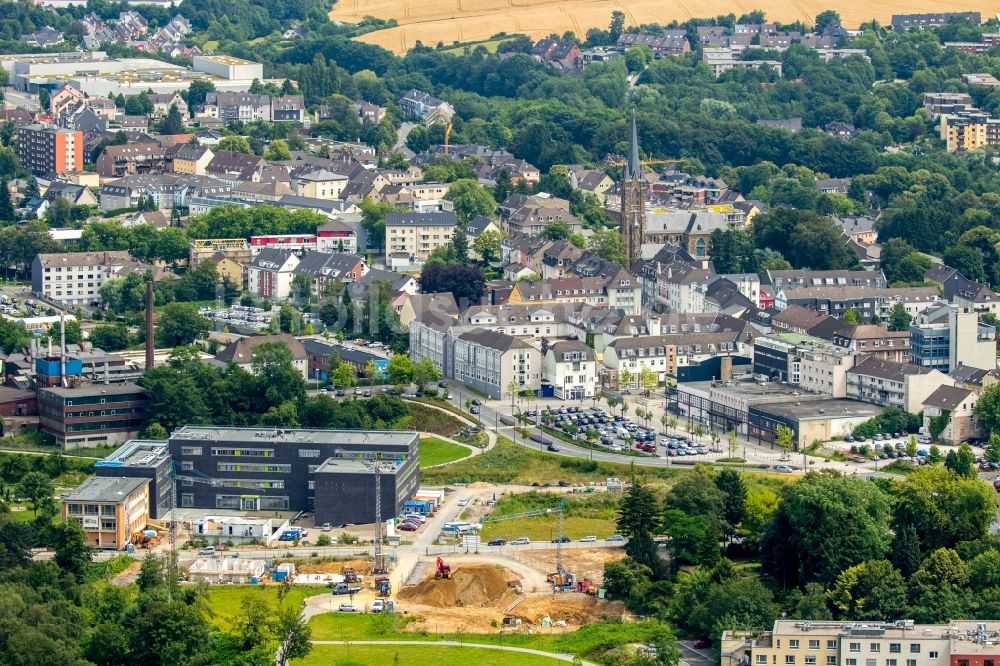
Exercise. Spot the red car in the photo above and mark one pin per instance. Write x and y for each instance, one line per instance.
(408, 527)
(701, 643)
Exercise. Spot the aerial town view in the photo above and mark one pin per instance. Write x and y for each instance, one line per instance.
(480, 332)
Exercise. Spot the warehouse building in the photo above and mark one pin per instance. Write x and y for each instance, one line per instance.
(271, 469)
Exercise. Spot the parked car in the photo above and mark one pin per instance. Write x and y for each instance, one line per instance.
(408, 527)
(562, 539)
(588, 539)
(442, 384)
(368, 393)
(785, 469)
(207, 550)
(520, 541)
(464, 501)
(476, 402)
(474, 409)
(357, 390)
(326, 527)
(615, 538)
(553, 448)
(378, 606)
(498, 542)
(347, 608)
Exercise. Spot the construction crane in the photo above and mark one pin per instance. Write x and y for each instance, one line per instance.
(376, 465)
(621, 164)
(172, 530)
(565, 578)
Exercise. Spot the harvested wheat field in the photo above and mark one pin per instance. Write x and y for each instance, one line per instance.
(479, 596)
(448, 21)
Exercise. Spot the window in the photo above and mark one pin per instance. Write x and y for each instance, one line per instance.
(914, 648)
(187, 499)
(831, 645)
(107, 509)
(810, 660)
(831, 660)
(934, 655)
(793, 644)
(911, 662)
(308, 453)
(790, 659)
(875, 647)
(852, 662)
(890, 662)
(762, 659)
(854, 647)
(187, 466)
(870, 662)
(895, 648)
(814, 644)
(108, 525)
(190, 450)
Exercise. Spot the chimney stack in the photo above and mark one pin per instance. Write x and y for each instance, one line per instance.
(149, 325)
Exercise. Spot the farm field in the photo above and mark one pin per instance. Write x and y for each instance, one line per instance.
(448, 21)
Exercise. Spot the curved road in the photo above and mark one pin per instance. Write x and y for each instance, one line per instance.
(484, 646)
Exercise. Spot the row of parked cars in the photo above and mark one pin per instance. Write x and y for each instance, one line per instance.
(411, 522)
(524, 541)
(680, 445)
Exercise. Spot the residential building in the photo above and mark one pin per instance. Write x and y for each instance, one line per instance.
(626, 359)
(803, 360)
(957, 406)
(904, 22)
(76, 278)
(166, 190)
(886, 383)
(805, 277)
(972, 343)
(854, 643)
(186, 158)
(132, 158)
(237, 249)
(488, 362)
(570, 367)
(143, 460)
(268, 469)
(336, 236)
(270, 273)
(163, 101)
(428, 108)
(45, 150)
(319, 184)
(240, 352)
(430, 338)
(297, 243)
(416, 304)
(417, 234)
(723, 59)
(670, 43)
(108, 510)
(95, 415)
(327, 268)
(875, 341)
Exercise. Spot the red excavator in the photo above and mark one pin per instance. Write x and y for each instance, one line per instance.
(443, 570)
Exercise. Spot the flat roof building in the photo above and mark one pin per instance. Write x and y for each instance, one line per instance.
(142, 459)
(92, 415)
(275, 469)
(109, 510)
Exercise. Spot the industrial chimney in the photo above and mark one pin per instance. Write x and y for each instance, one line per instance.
(149, 325)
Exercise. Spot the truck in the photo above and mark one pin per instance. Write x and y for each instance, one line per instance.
(345, 588)
(383, 587)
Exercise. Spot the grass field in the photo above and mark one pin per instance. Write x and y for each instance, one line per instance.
(223, 603)
(591, 642)
(434, 451)
(490, 45)
(449, 21)
(427, 419)
(417, 655)
(584, 515)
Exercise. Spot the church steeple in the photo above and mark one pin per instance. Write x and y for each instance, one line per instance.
(633, 167)
(632, 215)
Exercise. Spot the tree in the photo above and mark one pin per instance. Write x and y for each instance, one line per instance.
(173, 122)
(72, 552)
(851, 317)
(734, 497)
(170, 632)
(73, 332)
(824, 525)
(425, 372)
(110, 337)
(278, 380)
(827, 18)
(637, 514)
(872, 590)
(608, 245)
(938, 587)
(197, 92)
(34, 487)
(180, 324)
(732, 441)
(253, 622)
(470, 199)
(988, 409)
(488, 245)
(556, 230)
(617, 26)
(151, 573)
(962, 461)
(399, 370)
(625, 378)
(783, 439)
(293, 634)
(238, 144)
(58, 212)
(899, 318)
(466, 283)
(373, 220)
(343, 376)
(6, 206)
(943, 508)
(278, 150)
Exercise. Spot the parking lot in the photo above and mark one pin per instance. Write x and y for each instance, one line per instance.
(615, 433)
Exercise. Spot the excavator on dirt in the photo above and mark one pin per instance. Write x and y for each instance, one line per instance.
(443, 570)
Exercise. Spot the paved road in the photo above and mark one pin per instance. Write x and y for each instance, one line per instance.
(484, 646)
(696, 656)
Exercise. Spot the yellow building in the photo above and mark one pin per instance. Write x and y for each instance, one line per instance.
(109, 510)
(228, 269)
(964, 132)
(190, 159)
(319, 184)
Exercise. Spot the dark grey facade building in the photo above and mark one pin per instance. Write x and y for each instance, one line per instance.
(282, 469)
(146, 460)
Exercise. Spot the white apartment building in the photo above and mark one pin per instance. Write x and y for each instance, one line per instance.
(886, 383)
(417, 234)
(571, 368)
(271, 272)
(76, 278)
(488, 361)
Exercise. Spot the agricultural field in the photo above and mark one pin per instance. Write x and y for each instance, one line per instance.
(434, 451)
(449, 21)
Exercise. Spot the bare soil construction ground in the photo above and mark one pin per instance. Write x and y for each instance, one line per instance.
(448, 21)
(581, 563)
(361, 567)
(478, 597)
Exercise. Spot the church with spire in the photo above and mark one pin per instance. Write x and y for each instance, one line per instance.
(632, 214)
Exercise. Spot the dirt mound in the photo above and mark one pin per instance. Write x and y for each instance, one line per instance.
(574, 609)
(476, 586)
(361, 567)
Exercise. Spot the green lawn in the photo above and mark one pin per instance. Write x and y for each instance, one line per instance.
(223, 602)
(598, 641)
(584, 515)
(418, 655)
(434, 451)
(544, 528)
(491, 46)
(426, 419)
